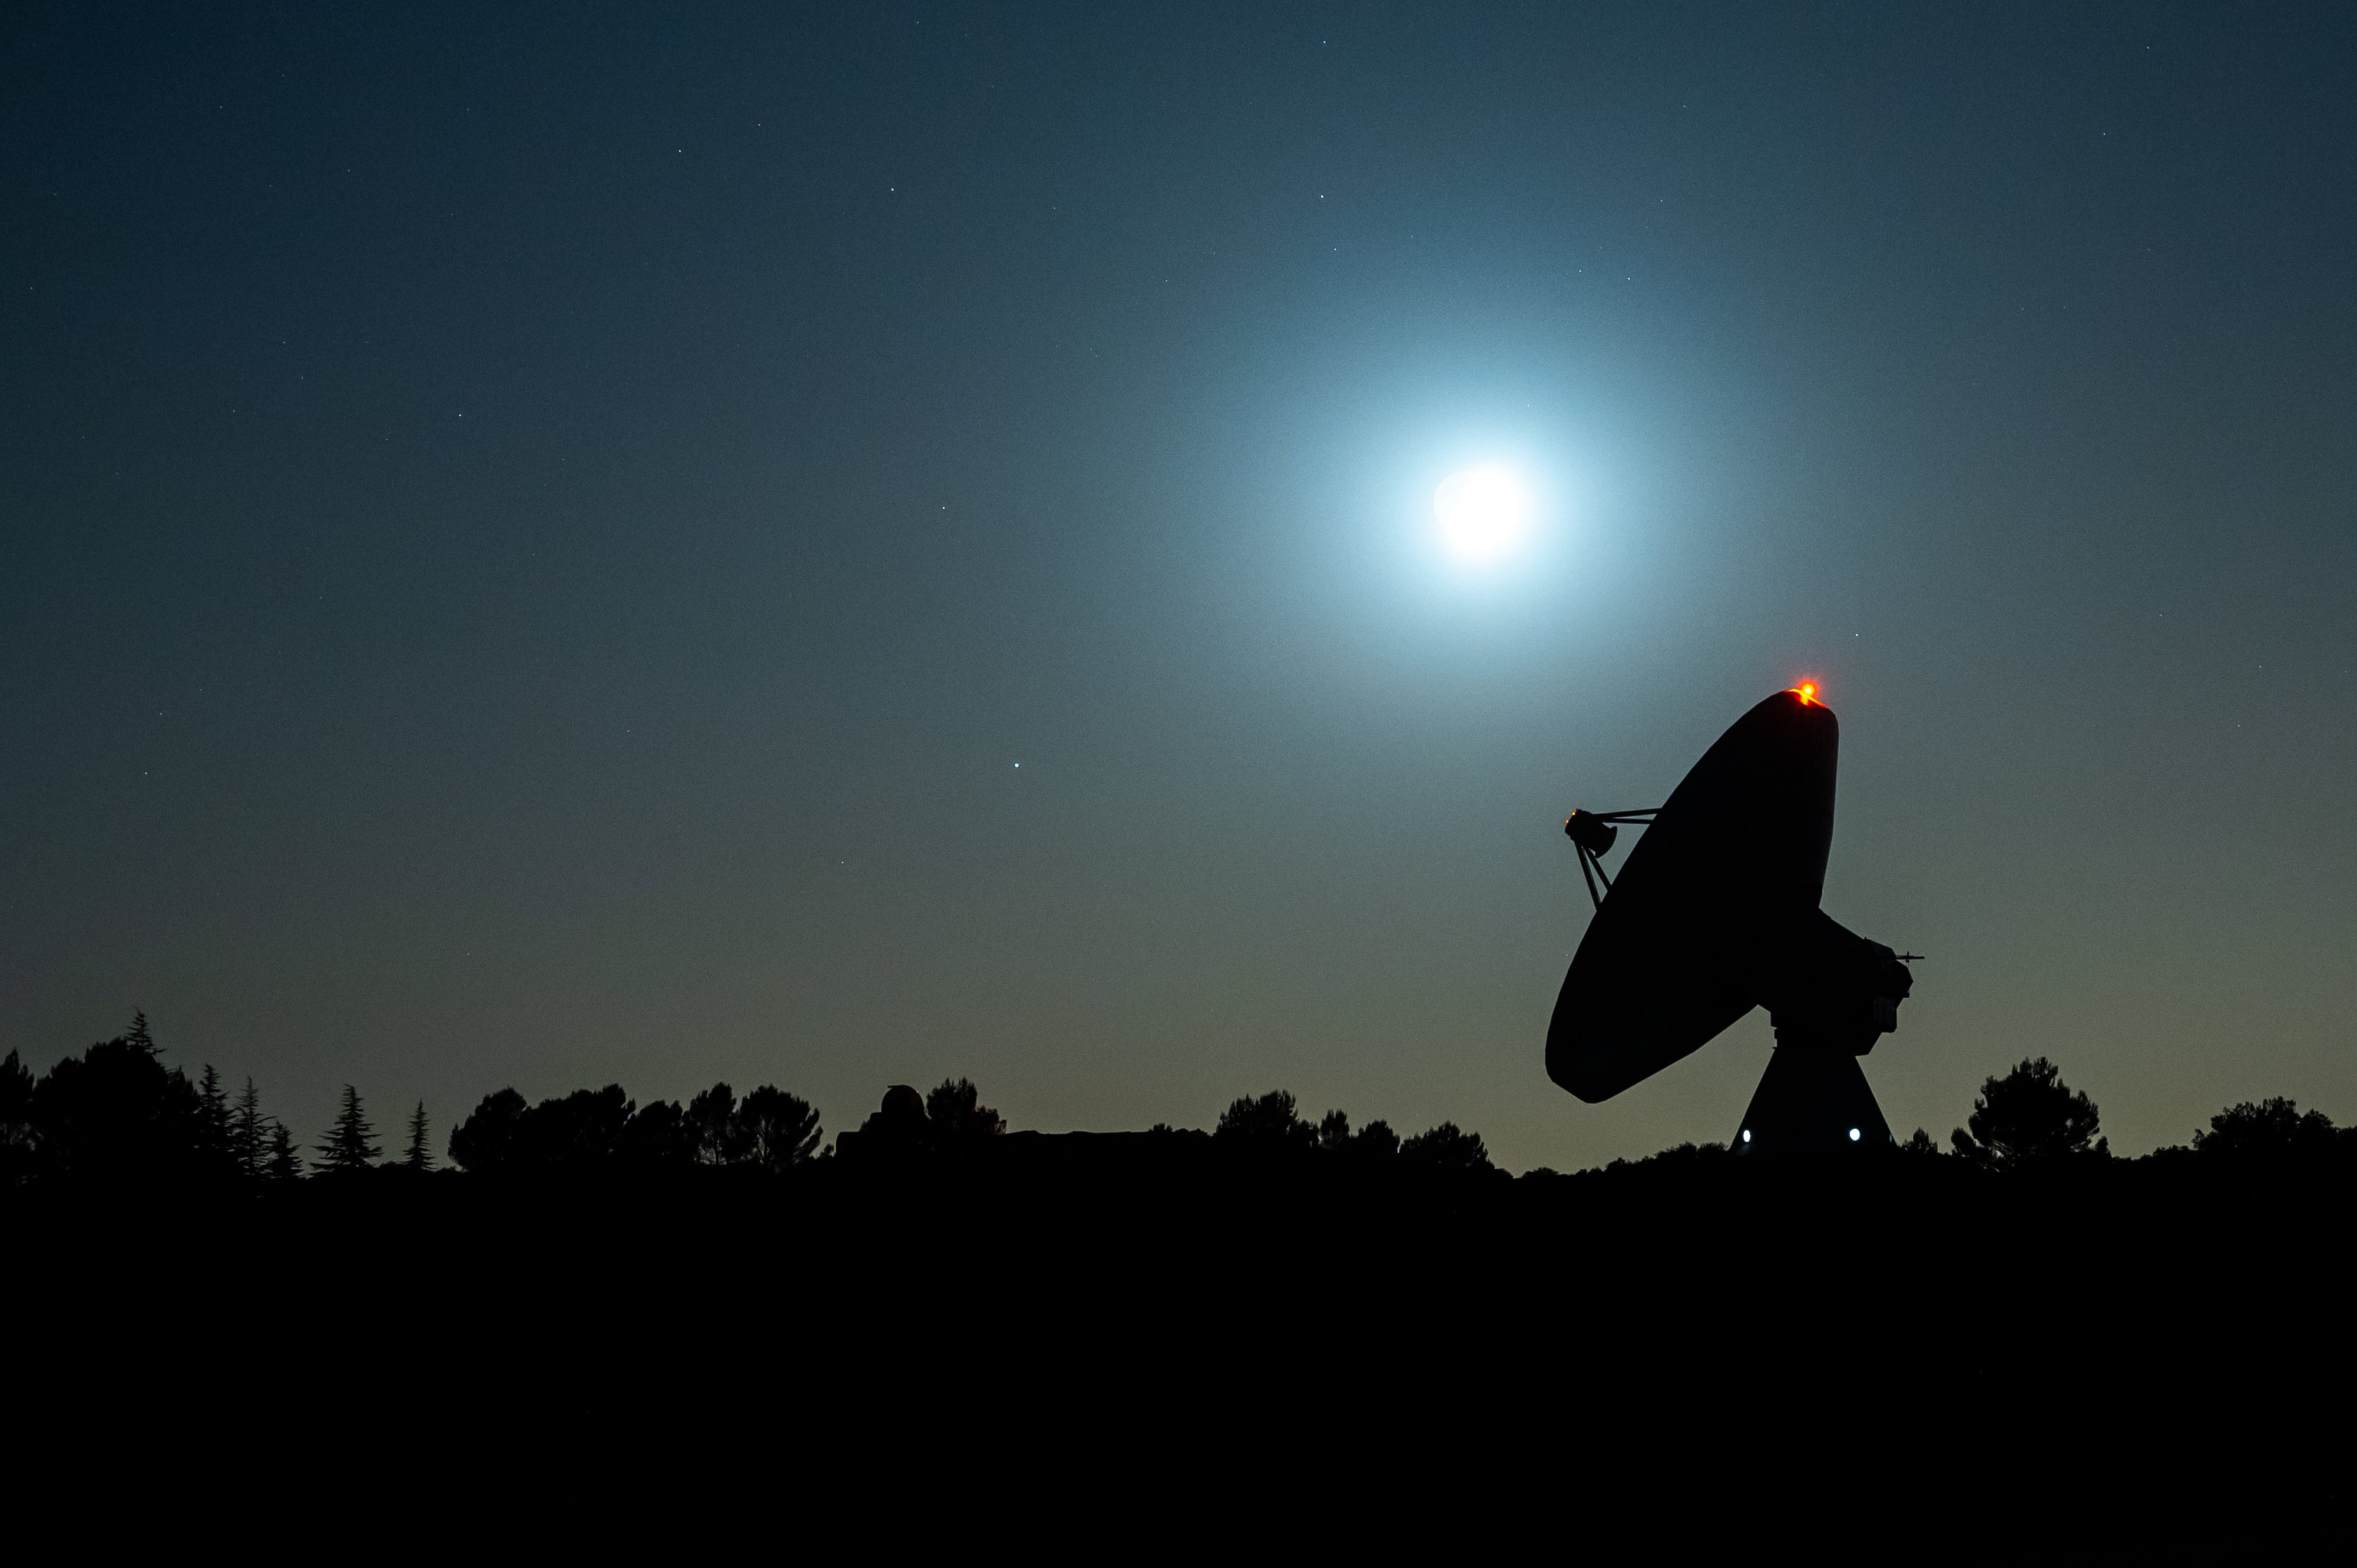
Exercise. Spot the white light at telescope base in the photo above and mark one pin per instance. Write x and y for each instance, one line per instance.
(1483, 512)
(1853, 1134)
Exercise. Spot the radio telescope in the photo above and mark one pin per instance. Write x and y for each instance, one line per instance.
(1714, 913)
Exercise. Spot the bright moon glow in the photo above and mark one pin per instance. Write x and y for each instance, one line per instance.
(1483, 512)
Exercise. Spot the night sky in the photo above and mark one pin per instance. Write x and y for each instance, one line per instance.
(535, 543)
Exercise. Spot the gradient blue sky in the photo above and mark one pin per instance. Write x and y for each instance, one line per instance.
(535, 543)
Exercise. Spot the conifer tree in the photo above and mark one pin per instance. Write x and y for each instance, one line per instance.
(139, 1035)
(246, 1138)
(284, 1163)
(213, 1118)
(419, 1156)
(351, 1143)
(18, 1136)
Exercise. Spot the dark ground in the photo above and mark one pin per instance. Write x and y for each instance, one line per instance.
(1158, 1338)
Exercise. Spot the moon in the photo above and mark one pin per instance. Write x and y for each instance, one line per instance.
(1483, 512)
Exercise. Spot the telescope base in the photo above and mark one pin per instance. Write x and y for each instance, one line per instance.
(1812, 1101)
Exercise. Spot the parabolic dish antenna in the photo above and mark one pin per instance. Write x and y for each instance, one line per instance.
(1715, 913)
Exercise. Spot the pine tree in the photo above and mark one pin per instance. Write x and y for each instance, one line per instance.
(246, 1135)
(781, 1130)
(351, 1143)
(140, 1036)
(419, 1156)
(2029, 1114)
(957, 1113)
(720, 1140)
(284, 1163)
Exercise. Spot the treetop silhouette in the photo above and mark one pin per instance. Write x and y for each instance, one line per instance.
(248, 1133)
(1373, 1143)
(18, 1138)
(2271, 1131)
(419, 1156)
(117, 1114)
(2029, 1116)
(1446, 1149)
(1268, 1121)
(781, 1130)
(213, 1116)
(351, 1144)
(284, 1163)
(604, 1130)
(956, 1112)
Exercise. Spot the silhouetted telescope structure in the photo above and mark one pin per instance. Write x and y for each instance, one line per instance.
(1715, 913)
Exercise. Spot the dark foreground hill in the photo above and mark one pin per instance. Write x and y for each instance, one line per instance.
(1192, 1346)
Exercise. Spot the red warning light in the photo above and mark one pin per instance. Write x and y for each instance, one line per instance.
(1807, 691)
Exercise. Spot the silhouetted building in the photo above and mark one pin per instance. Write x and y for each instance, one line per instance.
(900, 1130)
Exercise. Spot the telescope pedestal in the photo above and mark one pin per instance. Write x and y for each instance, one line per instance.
(1811, 1100)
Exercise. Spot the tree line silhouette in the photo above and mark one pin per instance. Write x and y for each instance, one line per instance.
(117, 1114)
